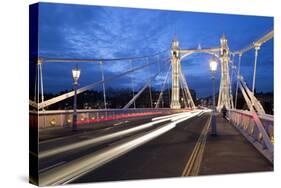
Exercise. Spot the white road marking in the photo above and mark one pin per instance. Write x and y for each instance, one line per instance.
(79, 167)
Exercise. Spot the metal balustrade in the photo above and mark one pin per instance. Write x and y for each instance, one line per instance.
(244, 121)
(63, 118)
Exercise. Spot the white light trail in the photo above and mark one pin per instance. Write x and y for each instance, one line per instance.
(79, 167)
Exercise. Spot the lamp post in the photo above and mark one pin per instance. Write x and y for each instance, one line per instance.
(75, 76)
(213, 68)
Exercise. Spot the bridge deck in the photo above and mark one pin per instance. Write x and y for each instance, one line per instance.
(52, 133)
(230, 152)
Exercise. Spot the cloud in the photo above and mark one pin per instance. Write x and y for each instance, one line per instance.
(79, 31)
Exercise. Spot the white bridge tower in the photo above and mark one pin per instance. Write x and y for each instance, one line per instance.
(225, 96)
(175, 104)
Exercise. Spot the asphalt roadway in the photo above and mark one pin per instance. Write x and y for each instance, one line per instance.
(145, 148)
(163, 156)
(83, 135)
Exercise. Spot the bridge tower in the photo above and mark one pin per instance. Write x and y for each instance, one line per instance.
(175, 104)
(225, 96)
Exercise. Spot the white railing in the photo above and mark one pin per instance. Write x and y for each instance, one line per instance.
(261, 136)
(63, 118)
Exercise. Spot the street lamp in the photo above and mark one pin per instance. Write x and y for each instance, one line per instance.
(75, 76)
(213, 68)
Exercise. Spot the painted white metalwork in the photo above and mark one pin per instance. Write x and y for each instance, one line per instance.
(39, 87)
(254, 102)
(257, 48)
(186, 91)
(255, 124)
(175, 104)
(33, 104)
(97, 60)
(148, 83)
(259, 42)
(183, 95)
(177, 55)
(162, 88)
(225, 97)
(258, 126)
(237, 81)
(150, 86)
(205, 50)
(41, 82)
(132, 82)
(88, 87)
(103, 85)
(258, 129)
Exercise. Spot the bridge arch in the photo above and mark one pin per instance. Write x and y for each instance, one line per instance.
(209, 53)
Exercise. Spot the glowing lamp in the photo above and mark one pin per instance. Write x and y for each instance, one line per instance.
(213, 65)
(75, 75)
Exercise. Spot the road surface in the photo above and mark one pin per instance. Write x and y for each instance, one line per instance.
(135, 149)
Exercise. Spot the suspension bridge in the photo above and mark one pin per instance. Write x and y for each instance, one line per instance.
(156, 140)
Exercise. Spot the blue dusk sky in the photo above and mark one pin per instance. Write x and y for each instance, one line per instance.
(80, 31)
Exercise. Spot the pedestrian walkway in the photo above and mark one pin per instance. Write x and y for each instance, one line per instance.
(230, 152)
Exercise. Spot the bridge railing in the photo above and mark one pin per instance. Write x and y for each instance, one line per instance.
(63, 118)
(245, 123)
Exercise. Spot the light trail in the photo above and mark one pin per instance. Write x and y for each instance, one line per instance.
(106, 138)
(79, 167)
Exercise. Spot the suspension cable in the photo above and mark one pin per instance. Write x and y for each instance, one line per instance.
(42, 86)
(257, 47)
(150, 85)
(237, 79)
(232, 66)
(169, 85)
(253, 100)
(35, 86)
(163, 87)
(91, 60)
(103, 85)
(259, 42)
(140, 91)
(132, 83)
(182, 77)
(231, 79)
(183, 94)
(38, 83)
(159, 66)
(90, 86)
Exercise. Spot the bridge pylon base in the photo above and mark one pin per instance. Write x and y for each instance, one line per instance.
(175, 105)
